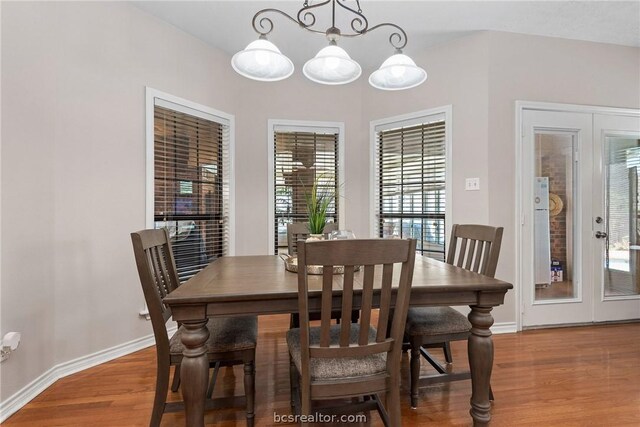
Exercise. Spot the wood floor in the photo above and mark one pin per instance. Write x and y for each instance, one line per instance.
(617, 283)
(554, 377)
(555, 290)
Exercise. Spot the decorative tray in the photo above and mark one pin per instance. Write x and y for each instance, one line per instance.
(291, 264)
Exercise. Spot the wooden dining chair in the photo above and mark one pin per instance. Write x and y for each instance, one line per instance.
(300, 231)
(352, 359)
(472, 247)
(231, 341)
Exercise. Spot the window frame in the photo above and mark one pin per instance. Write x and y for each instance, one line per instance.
(302, 126)
(155, 97)
(443, 113)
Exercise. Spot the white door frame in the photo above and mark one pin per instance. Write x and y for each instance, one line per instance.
(542, 106)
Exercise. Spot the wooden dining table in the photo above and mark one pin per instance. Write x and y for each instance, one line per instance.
(257, 285)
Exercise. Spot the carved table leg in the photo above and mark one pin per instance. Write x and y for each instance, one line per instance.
(480, 350)
(194, 371)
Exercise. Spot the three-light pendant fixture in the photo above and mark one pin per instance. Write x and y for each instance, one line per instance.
(262, 60)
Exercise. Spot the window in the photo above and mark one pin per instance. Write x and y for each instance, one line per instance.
(410, 164)
(301, 155)
(190, 152)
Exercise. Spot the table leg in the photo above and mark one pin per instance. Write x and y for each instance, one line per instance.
(480, 348)
(194, 371)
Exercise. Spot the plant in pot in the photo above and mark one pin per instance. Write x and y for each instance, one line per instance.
(318, 200)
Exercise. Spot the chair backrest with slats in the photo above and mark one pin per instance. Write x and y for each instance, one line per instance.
(158, 276)
(367, 253)
(300, 230)
(475, 247)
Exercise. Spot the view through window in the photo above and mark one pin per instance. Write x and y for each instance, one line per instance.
(300, 159)
(410, 181)
(191, 190)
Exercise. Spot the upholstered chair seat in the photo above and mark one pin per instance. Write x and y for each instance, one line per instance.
(434, 321)
(344, 367)
(225, 334)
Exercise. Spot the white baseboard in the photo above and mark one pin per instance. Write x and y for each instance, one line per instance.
(22, 397)
(504, 328)
(11, 405)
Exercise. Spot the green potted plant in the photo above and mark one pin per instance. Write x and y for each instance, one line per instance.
(318, 201)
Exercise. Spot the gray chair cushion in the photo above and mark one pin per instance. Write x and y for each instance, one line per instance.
(345, 367)
(435, 321)
(225, 334)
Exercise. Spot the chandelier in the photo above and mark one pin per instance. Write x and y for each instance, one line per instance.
(262, 60)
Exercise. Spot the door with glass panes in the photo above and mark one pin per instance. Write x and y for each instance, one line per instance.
(580, 245)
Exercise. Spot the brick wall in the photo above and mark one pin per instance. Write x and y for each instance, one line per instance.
(553, 164)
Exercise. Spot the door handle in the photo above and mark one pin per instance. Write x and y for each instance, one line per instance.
(601, 235)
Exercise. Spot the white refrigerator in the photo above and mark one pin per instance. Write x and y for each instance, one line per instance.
(542, 236)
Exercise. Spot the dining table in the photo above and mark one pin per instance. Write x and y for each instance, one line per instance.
(260, 285)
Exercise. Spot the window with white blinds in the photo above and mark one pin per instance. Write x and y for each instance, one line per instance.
(300, 158)
(410, 183)
(191, 185)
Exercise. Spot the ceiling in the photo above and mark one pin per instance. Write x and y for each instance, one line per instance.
(227, 24)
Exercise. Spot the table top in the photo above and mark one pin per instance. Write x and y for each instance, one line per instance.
(252, 278)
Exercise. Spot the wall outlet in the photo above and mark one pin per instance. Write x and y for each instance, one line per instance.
(472, 184)
(9, 342)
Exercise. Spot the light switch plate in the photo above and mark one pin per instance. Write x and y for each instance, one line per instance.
(472, 184)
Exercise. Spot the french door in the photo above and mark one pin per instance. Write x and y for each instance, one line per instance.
(580, 244)
(556, 206)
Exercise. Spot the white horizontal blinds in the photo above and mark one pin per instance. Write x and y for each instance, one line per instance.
(191, 163)
(622, 194)
(300, 158)
(411, 184)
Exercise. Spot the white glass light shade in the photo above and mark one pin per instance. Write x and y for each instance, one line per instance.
(262, 60)
(396, 73)
(332, 66)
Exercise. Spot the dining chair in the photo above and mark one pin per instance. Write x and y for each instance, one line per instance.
(231, 341)
(352, 360)
(472, 247)
(300, 230)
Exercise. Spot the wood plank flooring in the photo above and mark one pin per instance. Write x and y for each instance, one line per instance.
(555, 377)
(617, 283)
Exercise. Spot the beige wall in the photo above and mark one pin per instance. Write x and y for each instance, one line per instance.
(545, 69)
(457, 75)
(482, 75)
(73, 166)
(293, 99)
(73, 78)
(73, 169)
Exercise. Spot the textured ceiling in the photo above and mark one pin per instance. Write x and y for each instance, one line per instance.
(227, 24)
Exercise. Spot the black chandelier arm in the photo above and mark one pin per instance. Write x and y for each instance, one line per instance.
(264, 25)
(306, 17)
(359, 24)
(397, 39)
